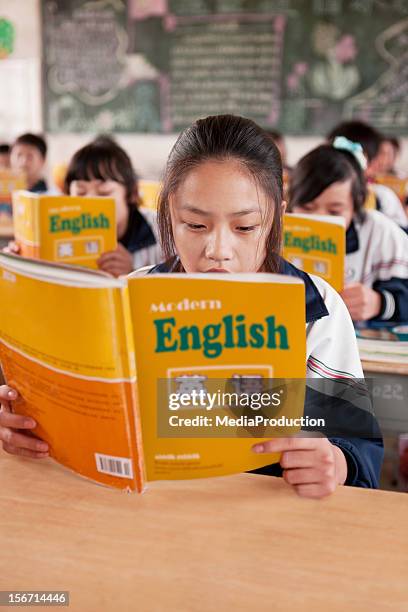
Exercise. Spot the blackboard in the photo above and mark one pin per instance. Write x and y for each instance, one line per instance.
(156, 65)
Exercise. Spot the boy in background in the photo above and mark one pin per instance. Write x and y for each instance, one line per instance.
(4, 156)
(28, 155)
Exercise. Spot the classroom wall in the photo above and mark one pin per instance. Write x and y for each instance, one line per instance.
(24, 111)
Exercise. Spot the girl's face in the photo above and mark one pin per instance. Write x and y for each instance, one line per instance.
(386, 158)
(335, 200)
(107, 189)
(220, 219)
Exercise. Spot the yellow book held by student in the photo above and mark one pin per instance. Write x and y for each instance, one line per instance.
(9, 182)
(64, 229)
(371, 199)
(149, 191)
(128, 378)
(317, 245)
(398, 185)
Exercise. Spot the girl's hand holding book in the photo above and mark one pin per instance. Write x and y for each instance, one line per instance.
(12, 248)
(313, 466)
(362, 302)
(116, 262)
(13, 426)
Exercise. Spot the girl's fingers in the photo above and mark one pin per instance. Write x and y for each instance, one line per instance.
(280, 445)
(315, 491)
(7, 393)
(14, 439)
(303, 476)
(24, 452)
(16, 421)
(298, 459)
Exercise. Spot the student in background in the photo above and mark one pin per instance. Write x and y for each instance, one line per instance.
(221, 209)
(330, 181)
(28, 155)
(103, 168)
(370, 139)
(4, 156)
(387, 155)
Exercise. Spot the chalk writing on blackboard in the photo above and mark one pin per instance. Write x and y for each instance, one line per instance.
(217, 63)
(385, 103)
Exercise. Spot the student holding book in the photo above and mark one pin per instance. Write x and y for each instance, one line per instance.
(220, 210)
(330, 181)
(103, 168)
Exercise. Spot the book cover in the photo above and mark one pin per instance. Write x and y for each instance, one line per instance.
(9, 182)
(317, 245)
(100, 362)
(149, 191)
(398, 185)
(215, 334)
(66, 347)
(371, 199)
(64, 229)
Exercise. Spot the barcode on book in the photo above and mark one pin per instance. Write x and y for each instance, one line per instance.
(115, 466)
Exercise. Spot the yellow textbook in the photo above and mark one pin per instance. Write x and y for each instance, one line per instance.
(398, 185)
(105, 366)
(149, 191)
(64, 229)
(9, 181)
(317, 245)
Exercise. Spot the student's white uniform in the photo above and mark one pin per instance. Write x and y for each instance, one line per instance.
(390, 204)
(377, 256)
(150, 255)
(331, 344)
(141, 238)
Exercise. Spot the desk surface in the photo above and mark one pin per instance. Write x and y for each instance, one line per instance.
(383, 367)
(238, 543)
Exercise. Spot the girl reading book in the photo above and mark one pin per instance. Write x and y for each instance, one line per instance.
(330, 181)
(220, 210)
(103, 168)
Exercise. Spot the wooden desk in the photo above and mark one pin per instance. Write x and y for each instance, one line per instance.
(238, 543)
(382, 367)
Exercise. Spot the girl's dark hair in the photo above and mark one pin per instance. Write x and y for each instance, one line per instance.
(322, 167)
(103, 159)
(224, 138)
(358, 131)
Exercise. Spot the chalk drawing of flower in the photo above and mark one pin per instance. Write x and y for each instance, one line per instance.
(301, 68)
(280, 23)
(105, 120)
(292, 82)
(345, 50)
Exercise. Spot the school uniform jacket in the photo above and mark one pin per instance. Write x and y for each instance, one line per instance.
(377, 256)
(332, 360)
(390, 205)
(141, 237)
